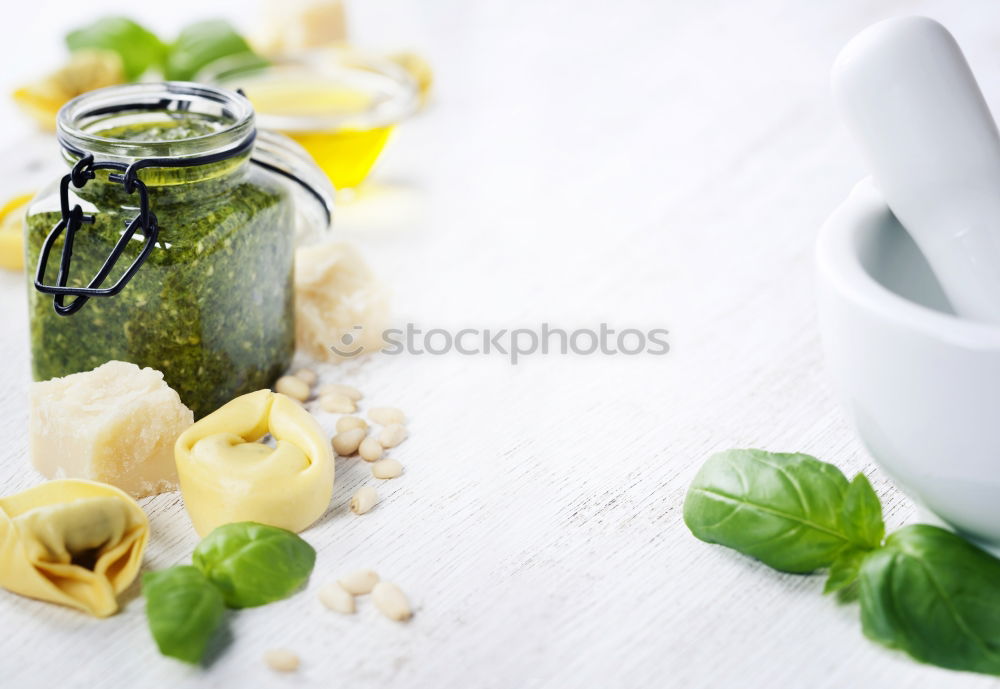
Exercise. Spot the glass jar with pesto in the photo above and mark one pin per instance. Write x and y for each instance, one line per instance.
(170, 242)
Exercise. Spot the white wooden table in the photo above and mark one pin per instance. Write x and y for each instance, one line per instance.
(642, 164)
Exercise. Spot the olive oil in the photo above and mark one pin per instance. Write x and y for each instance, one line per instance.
(345, 151)
(346, 156)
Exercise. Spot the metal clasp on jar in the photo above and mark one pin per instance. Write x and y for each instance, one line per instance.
(72, 221)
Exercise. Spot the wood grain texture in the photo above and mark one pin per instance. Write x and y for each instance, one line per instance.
(642, 164)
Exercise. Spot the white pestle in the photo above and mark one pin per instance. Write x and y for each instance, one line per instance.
(912, 104)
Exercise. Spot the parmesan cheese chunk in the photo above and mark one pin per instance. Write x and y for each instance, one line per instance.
(116, 424)
(341, 309)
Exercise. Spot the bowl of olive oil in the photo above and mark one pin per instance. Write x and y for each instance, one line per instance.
(340, 105)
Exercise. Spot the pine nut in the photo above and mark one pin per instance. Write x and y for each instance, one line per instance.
(308, 375)
(360, 582)
(392, 435)
(386, 415)
(349, 423)
(364, 499)
(281, 660)
(345, 390)
(386, 468)
(346, 444)
(370, 450)
(336, 598)
(296, 388)
(335, 403)
(391, 601)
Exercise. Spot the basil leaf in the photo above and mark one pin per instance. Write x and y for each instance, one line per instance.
(844, 570)
(936, 596)
(138, 47)
(201, 43)
(183, 609)
(863, 514)
(786, 510)
(254, 564)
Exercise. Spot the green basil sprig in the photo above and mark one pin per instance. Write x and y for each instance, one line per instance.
(138, 47)
(238, 565)
(790, 511)
(196, 46)
(925, 590)
(254, 564)
(200, 44)
(184, 611)
(935, 596)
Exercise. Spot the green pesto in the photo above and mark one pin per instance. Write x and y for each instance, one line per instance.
(212, 306)
(167, 129)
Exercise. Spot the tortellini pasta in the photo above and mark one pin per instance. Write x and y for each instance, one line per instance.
(227, 475)
(74, 542)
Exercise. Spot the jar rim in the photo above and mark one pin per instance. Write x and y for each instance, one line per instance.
(232, 108)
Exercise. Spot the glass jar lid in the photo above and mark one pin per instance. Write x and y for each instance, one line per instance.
(177, 120)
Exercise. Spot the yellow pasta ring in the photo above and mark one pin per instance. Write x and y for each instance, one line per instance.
(28, 562)
(227, 475)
